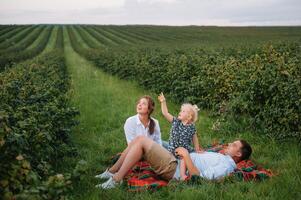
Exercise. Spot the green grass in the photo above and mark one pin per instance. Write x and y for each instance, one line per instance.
(105, 102)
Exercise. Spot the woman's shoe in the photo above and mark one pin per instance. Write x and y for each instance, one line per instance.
(105, 175)
(109, 184)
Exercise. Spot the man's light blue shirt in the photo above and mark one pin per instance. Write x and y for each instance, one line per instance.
(210, 164)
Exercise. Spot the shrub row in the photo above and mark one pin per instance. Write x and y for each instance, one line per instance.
(35, 122)
(10, 31)
(21, 34)
(262, 84)
(9, 58)
(25, 43)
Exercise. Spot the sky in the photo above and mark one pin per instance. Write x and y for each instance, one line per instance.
(156, 12)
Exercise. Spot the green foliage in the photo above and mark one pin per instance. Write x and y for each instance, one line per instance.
(24, 43)
(269, 91)
(19, 36)
(261, 84)
(10, 31)
(80, 170)
(35, 123)
(19, 52)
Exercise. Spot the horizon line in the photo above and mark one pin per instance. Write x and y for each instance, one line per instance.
(110, 24)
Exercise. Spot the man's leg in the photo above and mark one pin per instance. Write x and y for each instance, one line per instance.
(132, 155)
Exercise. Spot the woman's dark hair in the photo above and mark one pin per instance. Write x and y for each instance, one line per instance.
(245, 149)
(151, 107)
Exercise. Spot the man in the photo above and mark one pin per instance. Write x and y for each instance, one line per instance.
(209, 165)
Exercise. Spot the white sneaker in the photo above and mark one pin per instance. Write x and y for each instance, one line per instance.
(109, 184)
(105, 175)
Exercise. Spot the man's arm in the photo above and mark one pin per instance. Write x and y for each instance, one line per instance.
(192, 169)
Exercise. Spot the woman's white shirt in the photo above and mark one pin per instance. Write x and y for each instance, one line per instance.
(133, 127)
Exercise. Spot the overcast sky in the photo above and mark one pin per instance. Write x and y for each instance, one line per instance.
(159, 12)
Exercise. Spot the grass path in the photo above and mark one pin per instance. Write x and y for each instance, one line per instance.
(105, 102)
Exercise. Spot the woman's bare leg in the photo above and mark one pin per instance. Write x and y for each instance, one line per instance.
(119, 162)
(133, 155)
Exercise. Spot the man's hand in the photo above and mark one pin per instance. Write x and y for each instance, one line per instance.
(161, 97)
(181, 152)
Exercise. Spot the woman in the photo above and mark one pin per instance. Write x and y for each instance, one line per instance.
(142, 123)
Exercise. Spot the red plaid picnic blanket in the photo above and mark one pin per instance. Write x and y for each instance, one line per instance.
(142, 176)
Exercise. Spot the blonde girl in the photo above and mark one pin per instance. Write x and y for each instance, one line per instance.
(183, 131)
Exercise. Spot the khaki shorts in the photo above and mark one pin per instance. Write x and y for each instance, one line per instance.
(162, 161)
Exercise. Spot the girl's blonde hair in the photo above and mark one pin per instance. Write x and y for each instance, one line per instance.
(193, 109)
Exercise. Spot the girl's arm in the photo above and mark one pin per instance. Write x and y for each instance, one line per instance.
(164, 109)
(183, 170)
(196, 144)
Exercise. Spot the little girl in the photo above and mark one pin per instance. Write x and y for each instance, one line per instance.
(183, 131)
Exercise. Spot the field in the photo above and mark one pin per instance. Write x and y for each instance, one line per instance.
(66, 91)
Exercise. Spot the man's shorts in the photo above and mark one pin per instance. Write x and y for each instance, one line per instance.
(162, 161)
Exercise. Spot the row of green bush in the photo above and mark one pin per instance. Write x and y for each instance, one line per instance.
(262, 85)
(20, 53)
(26, 41)
(17, 36)
(5, 28)
(10, 31)
(35, 123)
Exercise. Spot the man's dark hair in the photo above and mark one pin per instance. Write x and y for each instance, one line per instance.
(246, 150)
